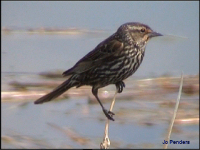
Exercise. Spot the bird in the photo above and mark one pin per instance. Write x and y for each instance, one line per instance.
(111, 62)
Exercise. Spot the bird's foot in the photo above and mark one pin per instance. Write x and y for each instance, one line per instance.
(120, 85)
(109, 114)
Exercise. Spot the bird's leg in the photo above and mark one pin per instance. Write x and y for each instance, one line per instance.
(108, 114)
(106, 141)
(119, 86)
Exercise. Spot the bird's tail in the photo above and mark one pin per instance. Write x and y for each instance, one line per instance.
(56, 92)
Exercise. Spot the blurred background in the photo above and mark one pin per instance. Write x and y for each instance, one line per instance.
(40, 40)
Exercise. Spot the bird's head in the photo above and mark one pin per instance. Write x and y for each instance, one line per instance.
(137, 32)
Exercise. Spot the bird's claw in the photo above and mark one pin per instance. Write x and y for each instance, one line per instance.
(120, 85)
(109, 114)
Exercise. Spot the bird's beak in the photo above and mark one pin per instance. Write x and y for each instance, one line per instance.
(154, 34)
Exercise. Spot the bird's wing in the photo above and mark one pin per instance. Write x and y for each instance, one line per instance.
(105, 49)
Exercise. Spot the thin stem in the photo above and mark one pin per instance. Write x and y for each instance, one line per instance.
(175, 112)
(106, 141)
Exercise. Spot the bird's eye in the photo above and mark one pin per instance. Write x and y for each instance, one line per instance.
(143, 30)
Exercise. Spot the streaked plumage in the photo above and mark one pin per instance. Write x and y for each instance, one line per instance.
(112, 61)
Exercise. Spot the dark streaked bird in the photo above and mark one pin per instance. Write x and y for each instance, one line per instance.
(112, 61)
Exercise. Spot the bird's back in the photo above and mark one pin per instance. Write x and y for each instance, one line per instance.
(113, 68)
